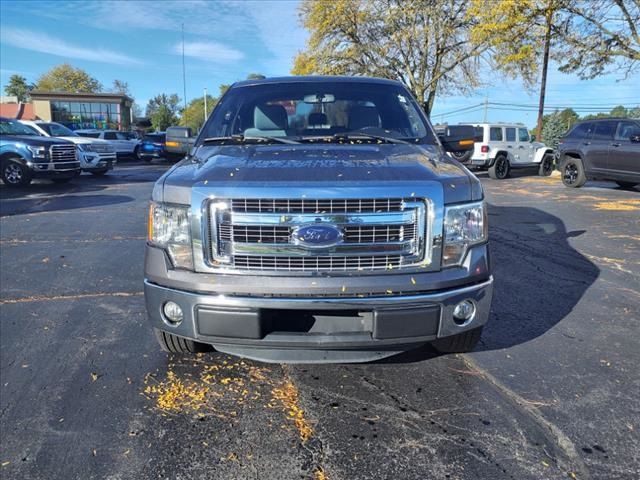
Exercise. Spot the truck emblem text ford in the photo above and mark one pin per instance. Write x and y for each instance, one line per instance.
(317, 235)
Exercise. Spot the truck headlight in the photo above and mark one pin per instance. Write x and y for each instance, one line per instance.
(169, 228)
(38, 152)
(464, 226)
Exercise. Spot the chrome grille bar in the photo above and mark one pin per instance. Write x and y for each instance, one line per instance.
(329, 205)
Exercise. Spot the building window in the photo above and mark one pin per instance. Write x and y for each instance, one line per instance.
(76, 115)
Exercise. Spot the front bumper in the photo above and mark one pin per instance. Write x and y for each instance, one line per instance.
(319, 323)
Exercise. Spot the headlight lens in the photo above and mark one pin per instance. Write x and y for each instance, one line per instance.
(38, 152)
(464, 226)
(169, 228)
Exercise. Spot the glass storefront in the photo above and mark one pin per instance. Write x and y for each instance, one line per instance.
(76, 115)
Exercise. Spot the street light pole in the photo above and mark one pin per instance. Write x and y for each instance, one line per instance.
(205, 104)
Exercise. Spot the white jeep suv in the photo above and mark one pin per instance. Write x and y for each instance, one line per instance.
(500, 147)
(95, 156)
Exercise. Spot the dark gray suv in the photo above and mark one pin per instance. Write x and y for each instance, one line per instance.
(604, 149)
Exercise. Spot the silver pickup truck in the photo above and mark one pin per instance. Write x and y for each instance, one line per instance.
(318, 219)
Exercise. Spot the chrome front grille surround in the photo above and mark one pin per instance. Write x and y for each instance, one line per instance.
(63, 156)
(384, 229)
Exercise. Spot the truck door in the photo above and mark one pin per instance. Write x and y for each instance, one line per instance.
(624, 153)
(511, 144)
(597, 154)
(526, 149)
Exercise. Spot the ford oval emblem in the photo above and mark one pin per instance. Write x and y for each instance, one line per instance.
(317, 235)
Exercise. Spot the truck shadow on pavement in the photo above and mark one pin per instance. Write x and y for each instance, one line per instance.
(538, 279)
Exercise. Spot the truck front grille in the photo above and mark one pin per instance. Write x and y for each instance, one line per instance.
(262, 235)
(64, 157)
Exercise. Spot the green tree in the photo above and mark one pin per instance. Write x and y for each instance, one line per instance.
(163, 110)
(193, 115)
(424, 43)
(554, 128)
(255, 76)
(18, 87)
(569, 117)
(634, 112)
(66, 78)
(619, 111)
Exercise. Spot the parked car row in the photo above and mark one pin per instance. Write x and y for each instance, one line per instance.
(24, 155)
(602, 149)
(38, 149)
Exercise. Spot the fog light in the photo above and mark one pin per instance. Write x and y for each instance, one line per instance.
(172, 312)
(464, 312)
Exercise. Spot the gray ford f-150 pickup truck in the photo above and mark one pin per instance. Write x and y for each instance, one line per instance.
(318, 219)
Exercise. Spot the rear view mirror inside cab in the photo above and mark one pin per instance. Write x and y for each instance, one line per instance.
(456, 138)
(319, 98)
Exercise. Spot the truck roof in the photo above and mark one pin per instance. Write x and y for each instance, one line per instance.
(317, 78)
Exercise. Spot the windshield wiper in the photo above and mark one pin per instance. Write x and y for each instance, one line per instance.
(243, 139)
(359, 136)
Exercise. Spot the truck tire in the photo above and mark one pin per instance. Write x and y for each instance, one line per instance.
(573, 173)
(173, 344)
(461, 343)
(14, 173)
(500, 168)
(462, 157)
(136, 153)
(546, 165)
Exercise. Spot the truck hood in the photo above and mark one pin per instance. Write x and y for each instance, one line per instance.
(285, 165)
(85, 140)
(35, 140)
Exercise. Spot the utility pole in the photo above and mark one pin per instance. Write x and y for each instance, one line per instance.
(545, 65)
(205, 104)
(184, 74)
(486, 106)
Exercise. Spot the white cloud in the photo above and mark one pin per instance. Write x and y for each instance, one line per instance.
(43, 43)
(213, 52)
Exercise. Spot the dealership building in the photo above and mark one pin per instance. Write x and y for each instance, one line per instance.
(83, 110)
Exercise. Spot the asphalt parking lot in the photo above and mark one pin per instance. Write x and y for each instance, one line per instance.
(552, 391)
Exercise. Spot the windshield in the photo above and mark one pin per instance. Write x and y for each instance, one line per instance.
(305, 111)
(89, 134)
(11, 127)
(57, 130)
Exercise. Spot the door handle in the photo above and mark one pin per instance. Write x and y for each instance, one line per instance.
(615, 144)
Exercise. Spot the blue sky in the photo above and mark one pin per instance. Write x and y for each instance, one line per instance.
(140, 43)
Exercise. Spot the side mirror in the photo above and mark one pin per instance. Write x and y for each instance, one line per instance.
(457, 138)
(635, 138)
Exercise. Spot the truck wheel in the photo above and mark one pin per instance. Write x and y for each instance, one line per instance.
(500, 168)
(461, 343)
(546, 165)
(136, 153)
(627, 184)
(462, 157)
(573, 173)
(14, 173)
(174, 344)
